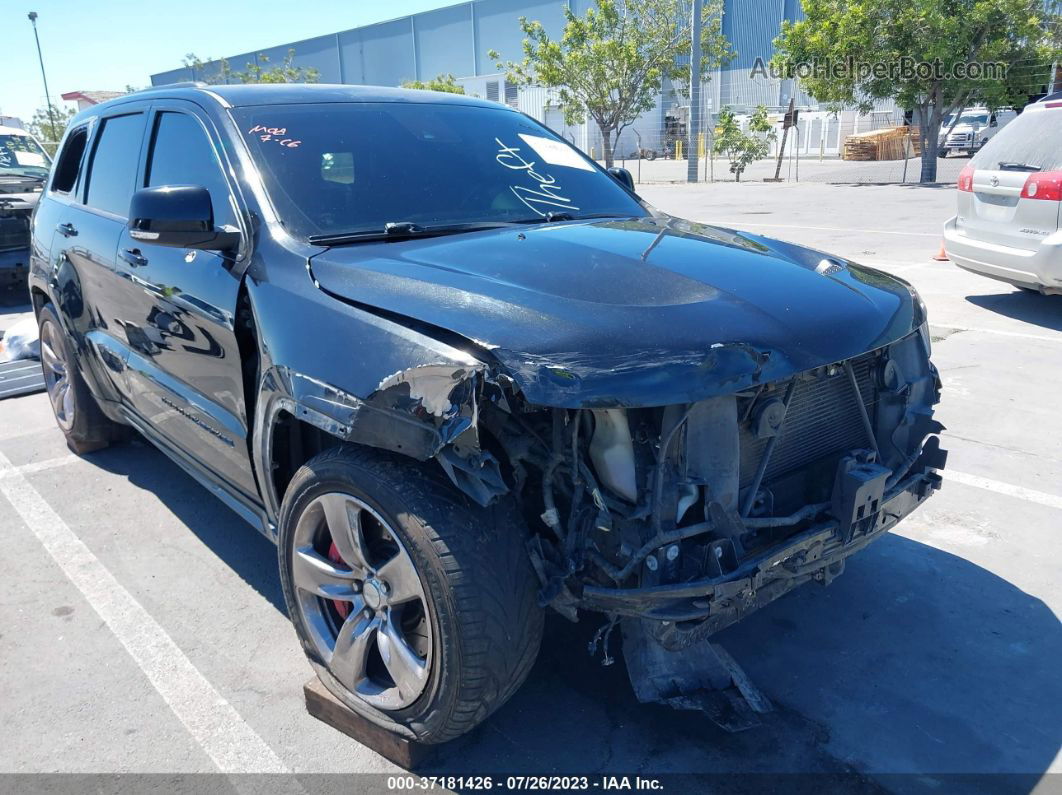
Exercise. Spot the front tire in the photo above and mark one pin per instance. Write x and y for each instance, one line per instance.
(416, 607)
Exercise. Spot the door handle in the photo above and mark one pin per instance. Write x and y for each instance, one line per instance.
(134, 257)
(66, 230)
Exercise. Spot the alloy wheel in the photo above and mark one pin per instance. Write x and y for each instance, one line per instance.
(57, 375)
(362, 601)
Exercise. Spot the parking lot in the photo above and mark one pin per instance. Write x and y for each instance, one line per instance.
(142, 627)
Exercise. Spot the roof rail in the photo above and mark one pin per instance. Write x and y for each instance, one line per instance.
(182, 84)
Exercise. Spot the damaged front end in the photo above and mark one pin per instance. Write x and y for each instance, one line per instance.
(692, 515)
(681, 519)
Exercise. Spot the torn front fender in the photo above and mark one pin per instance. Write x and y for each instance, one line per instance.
(364, 379)
(421, 412)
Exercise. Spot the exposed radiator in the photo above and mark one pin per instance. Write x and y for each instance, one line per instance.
(823, 419)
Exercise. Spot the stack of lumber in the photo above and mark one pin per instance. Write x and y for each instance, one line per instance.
(892, 143)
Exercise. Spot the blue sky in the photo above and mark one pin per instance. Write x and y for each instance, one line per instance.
(106, 44)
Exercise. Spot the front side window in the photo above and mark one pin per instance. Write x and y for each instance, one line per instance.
(355, 167)
(112, 175)
(181, 154)
(22, 156)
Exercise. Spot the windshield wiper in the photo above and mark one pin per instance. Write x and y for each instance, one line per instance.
(1006, 166)
(402, 230)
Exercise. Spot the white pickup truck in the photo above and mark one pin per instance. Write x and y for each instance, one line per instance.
(24, 166)
(974, 128)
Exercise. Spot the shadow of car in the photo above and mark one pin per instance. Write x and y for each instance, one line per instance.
(1024, 305)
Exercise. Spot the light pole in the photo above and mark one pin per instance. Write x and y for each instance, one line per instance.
(47, 94)
(694, 124)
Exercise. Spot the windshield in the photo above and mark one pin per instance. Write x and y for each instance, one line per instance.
(973, 119)
(356, 167)
(1032, 139)
(22, 156)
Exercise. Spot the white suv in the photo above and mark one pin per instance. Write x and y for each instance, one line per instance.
(1010, 194)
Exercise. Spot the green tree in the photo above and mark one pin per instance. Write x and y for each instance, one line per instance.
(1018, 38)
(257, 72)
(447, 83)
(742, 148)
(47, 133)
(610, 64)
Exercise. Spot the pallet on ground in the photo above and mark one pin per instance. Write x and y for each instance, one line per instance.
(892, 143)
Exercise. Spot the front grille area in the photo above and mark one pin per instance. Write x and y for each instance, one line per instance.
(823, 419)
(14, 231)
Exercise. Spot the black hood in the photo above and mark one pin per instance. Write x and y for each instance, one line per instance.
(638, 312)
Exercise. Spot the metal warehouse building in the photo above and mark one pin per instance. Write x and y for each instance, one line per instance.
(455, 40)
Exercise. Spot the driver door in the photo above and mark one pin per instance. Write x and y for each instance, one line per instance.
(184, 372)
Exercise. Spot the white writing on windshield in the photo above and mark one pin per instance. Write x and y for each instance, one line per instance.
(543, 193)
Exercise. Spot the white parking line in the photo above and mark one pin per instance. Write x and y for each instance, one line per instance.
(214, 723)
(38, 466)
(998, 486)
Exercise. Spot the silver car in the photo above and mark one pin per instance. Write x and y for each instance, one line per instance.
(1009, 197)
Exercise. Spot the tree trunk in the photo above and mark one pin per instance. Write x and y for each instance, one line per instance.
(929, 119)
(606, 143)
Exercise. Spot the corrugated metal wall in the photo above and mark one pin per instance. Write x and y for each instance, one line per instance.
(455, 40)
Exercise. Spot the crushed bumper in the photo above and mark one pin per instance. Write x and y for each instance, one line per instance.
(692, 611)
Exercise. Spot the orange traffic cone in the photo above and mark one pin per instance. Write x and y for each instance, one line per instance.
(942, 255)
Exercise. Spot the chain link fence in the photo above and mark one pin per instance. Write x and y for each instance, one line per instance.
(814, 152)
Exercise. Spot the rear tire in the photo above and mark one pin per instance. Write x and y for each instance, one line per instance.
(76, 411)
(467, 623)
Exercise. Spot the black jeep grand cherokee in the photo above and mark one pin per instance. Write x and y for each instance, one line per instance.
(460, 373)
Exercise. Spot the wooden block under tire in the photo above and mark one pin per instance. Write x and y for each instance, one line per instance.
(321, 704)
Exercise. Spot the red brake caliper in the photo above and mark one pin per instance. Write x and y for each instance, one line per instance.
(333, 555)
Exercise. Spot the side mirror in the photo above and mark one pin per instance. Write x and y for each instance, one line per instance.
(623, 177)
(181, 216)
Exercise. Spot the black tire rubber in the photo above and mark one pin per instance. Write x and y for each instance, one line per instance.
(477, 577)
(92, 429)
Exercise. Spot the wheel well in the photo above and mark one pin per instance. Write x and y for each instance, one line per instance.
(294, 443)
(39, 298)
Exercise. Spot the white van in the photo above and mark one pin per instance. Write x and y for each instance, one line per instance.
(974, 128)
(1009, 200)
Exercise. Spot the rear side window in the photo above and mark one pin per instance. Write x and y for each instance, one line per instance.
(112, 175)
(69, 163)
(181, 154)
(1031, 139)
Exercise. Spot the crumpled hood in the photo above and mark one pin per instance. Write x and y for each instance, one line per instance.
(641, 312)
